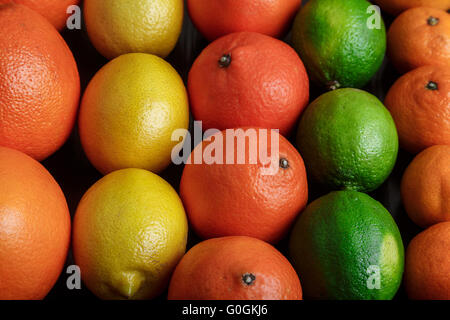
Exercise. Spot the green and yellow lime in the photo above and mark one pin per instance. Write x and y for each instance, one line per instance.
(347, 246)
(342, 43)
(348, 140)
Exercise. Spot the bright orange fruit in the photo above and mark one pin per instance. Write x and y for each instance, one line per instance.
(419, 37)
(244, 199)
(426, 187)
(420, 105)
(248, 79)
(34, 228)
(234, 268)
(427, 264)
(39, 83)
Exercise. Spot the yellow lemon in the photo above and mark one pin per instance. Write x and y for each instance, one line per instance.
(129, 232)
(123, 26)
(129, 111)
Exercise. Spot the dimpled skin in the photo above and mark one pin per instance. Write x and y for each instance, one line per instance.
(39, 83)
(413, 42)
(396, 7)
(337, 241)
(335, 43)
(130, 231)
(214, 270)
(216, 18)
(242, 199)
(422, 115)
(265, 85)
(129, 111)
(54, 10)
(124, 26)
(428, 264)
(426, 187)
(34, 228)
(348, 140)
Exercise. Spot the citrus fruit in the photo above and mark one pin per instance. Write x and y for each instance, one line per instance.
(248, 79)
(130, 231)
(336, 44)
(39, 83)
(420, 105)
(234, 268)
(348, 140)
(129, 111)
(255, 198)
(125, 26)
(427, 264)
(54, 10)
(426, 187)
(346, 246)
(419, 37)
(216, 18)
(395, 7)
(34, 228)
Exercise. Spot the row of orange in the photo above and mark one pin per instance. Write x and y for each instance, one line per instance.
(419, 42)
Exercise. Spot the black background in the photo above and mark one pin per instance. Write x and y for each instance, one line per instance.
(74, 173)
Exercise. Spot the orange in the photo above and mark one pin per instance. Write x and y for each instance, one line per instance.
(427, 264)
(34, 227)
(248, 79)
(419, 37)
(420, 105)
(426, 187)
(395, 7)
(54, 10)
(234, 268)
(216, 18)
(39, 83)
(245, 198)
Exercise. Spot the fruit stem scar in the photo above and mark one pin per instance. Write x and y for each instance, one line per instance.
(432, 85)
(225, 61)
(284, 163)
(248, 279)
(333, 85)
(432, 21)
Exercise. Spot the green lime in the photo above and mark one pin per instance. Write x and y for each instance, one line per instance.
(346, 246)
(348, 140)
(342, 43)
